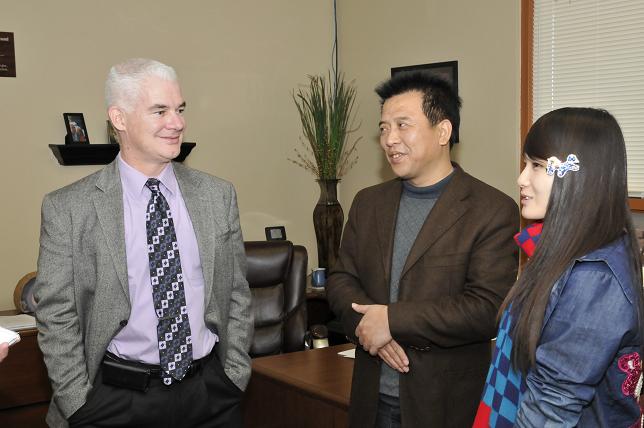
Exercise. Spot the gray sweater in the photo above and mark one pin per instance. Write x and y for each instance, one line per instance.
(415, 205)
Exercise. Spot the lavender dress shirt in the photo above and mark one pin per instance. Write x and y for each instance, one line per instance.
(137, 341)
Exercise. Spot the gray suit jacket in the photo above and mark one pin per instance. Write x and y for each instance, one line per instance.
(82, 283)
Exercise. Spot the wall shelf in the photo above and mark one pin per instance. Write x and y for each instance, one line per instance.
(99, 154)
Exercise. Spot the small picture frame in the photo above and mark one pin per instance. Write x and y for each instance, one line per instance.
(275, 233)
(76, 129)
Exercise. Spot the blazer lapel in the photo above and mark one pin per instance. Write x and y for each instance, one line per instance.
(108, 202)
(386, 210)
(449, 208)
(198, 208)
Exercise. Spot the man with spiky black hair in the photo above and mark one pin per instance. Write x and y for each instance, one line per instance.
(426, 259)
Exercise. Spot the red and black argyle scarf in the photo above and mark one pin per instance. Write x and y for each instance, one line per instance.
(527, 239)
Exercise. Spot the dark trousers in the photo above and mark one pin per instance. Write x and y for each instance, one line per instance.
(388, 412)
(207, 399)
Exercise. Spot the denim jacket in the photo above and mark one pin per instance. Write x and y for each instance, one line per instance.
(587, 363)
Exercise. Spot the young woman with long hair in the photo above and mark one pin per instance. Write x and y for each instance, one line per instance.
(569, 343)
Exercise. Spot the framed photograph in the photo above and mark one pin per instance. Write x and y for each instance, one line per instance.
(447, 70)
(76, 129)
(275, 233)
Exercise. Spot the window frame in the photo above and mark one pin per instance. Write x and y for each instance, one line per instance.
(527, 23)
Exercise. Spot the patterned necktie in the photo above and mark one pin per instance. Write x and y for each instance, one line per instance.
(173, 330)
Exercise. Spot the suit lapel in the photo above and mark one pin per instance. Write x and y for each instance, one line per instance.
(198, 208)
(108, 202)
(386, 210)
(449, 208)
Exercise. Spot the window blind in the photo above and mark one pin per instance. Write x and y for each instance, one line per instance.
(590, 53)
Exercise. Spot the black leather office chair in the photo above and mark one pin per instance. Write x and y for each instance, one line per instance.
(277, 279)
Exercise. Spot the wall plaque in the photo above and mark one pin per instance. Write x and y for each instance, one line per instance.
(7, 55)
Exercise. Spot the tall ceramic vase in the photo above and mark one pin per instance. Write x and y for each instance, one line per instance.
(327, 221)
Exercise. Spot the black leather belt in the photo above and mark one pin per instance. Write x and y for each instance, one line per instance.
(134, 375)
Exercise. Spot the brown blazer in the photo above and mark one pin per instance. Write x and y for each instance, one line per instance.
(458, 272)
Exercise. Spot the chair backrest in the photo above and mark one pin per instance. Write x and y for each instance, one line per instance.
(23, 294)
(277, 279)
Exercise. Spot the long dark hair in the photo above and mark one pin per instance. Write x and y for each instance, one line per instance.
(587, 209)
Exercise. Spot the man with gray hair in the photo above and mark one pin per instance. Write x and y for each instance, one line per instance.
(143, 307)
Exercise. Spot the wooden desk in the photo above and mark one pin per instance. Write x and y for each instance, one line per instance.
(300, 389)
(24, 387)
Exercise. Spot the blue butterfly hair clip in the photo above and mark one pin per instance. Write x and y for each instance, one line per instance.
(561, 168)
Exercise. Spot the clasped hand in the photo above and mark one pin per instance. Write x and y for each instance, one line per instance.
(374, 336)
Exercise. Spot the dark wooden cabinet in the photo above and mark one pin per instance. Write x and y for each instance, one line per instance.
(24, 386)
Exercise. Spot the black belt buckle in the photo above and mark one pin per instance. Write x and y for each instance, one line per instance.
(123, 375)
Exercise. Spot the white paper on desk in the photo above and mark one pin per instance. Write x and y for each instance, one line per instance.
(8, 336)
(18, 322)
(349, 353)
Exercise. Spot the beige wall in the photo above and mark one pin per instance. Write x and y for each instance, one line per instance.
(483, 36)
(238, 62)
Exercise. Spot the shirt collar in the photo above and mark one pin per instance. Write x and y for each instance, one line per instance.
(432, 191)
(133, 181)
